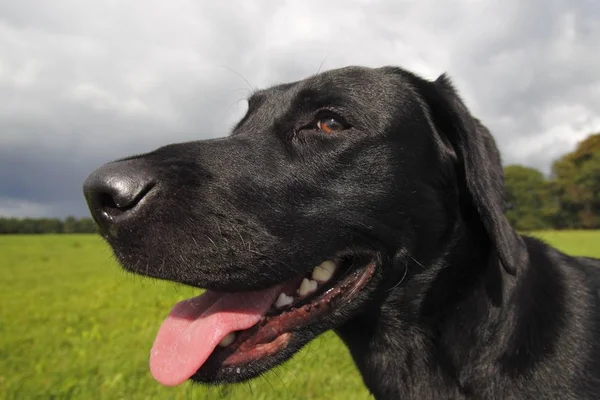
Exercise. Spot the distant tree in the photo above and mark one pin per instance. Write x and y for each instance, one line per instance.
(9, 225)
(86, 225)
(70, 225)
(46, 225)
(29, 225)
(586, 149)
(528, 192)
(589, 181)
(576, 184)
(50, 225)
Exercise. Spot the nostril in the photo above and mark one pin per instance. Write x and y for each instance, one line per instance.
(119, 199)
(108, 205)
(124, 196)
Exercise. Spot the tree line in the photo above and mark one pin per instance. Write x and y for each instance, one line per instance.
(567, 199)
(47, 225)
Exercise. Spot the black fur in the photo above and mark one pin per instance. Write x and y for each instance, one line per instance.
(461, 306)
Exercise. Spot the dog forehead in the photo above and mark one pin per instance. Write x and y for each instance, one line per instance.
(359, 90)
(353, 76)
(357, 82)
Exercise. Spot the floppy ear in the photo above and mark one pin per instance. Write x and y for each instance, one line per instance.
(480, 167)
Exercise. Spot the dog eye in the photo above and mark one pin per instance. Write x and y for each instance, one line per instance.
(329, 125)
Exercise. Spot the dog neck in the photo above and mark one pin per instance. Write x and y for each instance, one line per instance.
(417, 333)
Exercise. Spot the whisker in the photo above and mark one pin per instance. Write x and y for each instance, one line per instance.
(266, 379)
(252, 88)
(403, 277)
(412, 258)
(271, 259)
(250, 388)
(279, 377)
(322, 62)
(239, 234)
(214, 244)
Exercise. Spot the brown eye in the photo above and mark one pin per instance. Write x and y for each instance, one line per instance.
(329, 125)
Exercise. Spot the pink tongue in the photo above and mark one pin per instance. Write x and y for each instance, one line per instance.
(196, 326)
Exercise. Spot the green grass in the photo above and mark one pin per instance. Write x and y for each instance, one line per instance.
(74, 325)
(581, 243)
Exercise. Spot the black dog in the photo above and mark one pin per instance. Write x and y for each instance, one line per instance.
(368, 201)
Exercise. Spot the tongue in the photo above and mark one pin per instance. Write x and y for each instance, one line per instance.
(196, 326)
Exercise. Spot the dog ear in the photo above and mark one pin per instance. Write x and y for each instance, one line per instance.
(479, 167)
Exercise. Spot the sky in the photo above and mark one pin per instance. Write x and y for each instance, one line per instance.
(83, 82)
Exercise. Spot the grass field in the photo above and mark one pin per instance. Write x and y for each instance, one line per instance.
(74, 325)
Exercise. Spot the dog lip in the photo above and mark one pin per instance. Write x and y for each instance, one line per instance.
(257, 333)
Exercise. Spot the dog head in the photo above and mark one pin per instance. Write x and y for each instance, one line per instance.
(294, 221)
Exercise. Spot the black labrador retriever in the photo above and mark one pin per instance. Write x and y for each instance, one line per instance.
(367, 201)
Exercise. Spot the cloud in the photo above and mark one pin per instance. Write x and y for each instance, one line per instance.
(20, 207)
(84, 82)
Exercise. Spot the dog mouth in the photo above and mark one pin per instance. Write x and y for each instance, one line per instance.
(221, 333)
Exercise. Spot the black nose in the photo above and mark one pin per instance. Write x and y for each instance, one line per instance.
(115, 191)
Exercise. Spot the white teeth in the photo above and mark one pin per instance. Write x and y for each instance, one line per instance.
(325, 271)
(227, 340)
(307, 287)
(283, 300)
